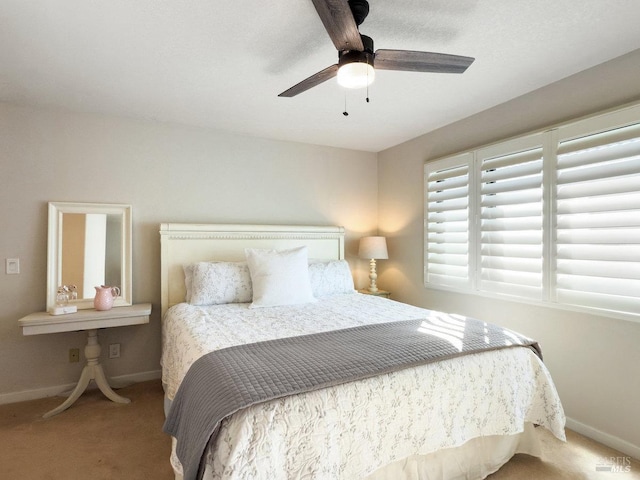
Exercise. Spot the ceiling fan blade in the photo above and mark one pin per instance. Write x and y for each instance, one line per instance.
(312, 81)
(412, 61)
(338, 20)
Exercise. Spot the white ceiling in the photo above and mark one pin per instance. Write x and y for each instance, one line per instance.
(221, 64)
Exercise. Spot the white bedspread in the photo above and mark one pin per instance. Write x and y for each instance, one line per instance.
(349, 431)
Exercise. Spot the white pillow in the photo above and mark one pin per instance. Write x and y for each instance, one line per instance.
(279, 277)
(330, 278)
(215, 283)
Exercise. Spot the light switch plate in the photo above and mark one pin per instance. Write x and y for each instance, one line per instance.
(13, 266)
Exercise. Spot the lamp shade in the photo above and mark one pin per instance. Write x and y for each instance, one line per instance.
(356, 75)
(373, 247)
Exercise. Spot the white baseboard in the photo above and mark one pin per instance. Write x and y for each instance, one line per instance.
(611, 441)
(58, 389)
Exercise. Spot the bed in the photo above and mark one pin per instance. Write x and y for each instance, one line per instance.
(460, 417)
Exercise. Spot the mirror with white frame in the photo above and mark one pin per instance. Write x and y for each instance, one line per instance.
(89, 245)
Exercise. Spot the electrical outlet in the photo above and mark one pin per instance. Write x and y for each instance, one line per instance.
(114, 350)
(74, 355)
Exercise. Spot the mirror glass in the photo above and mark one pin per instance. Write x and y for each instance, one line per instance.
(89, 245)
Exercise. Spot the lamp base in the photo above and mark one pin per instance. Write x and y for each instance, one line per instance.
(373, 276)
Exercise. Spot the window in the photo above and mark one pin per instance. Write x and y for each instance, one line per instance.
(551, 218)
(597, 246)
(510, 212)
(447, 236)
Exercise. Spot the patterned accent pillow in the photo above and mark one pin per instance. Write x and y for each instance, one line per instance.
(215, 283)
(279, 277)
(330, 278)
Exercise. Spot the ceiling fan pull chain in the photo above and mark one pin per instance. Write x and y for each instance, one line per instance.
(345, 113)
(368, 83)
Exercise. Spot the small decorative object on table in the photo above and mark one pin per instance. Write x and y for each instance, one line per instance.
(73, 292)
(62, 301)
(105, 296)
(62, 298)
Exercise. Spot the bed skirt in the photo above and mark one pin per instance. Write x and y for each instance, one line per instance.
(476, 459)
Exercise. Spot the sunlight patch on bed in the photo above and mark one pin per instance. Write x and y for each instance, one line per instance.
(446, 328)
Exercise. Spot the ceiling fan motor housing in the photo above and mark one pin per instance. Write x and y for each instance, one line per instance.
(359, 9)
(351, 56)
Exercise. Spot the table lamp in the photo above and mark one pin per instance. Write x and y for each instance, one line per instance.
(373, 248)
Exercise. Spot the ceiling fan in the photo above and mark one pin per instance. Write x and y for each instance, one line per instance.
(356, 58)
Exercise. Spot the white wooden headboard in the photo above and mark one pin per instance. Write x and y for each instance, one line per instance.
(186, 243)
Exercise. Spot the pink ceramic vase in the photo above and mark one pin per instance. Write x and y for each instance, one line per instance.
(105, 296)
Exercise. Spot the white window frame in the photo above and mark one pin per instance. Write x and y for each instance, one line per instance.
(528, 147)
(548, 141)
(457, 165)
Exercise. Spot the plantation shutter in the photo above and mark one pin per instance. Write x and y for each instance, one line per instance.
(598, 220)
(447, 232)
(511, 219)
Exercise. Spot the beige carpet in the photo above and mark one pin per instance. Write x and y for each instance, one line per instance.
(97, 439)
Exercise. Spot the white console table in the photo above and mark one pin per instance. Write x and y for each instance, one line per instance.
(91, 321)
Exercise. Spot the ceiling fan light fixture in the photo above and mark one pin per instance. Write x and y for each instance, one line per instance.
(356, 75)
(355, 68)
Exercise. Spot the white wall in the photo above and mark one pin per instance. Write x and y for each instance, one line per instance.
(595, 361)
(168, 173)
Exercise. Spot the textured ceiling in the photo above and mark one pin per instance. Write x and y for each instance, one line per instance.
(221, 64)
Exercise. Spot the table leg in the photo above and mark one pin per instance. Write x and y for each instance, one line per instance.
(92, 371)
